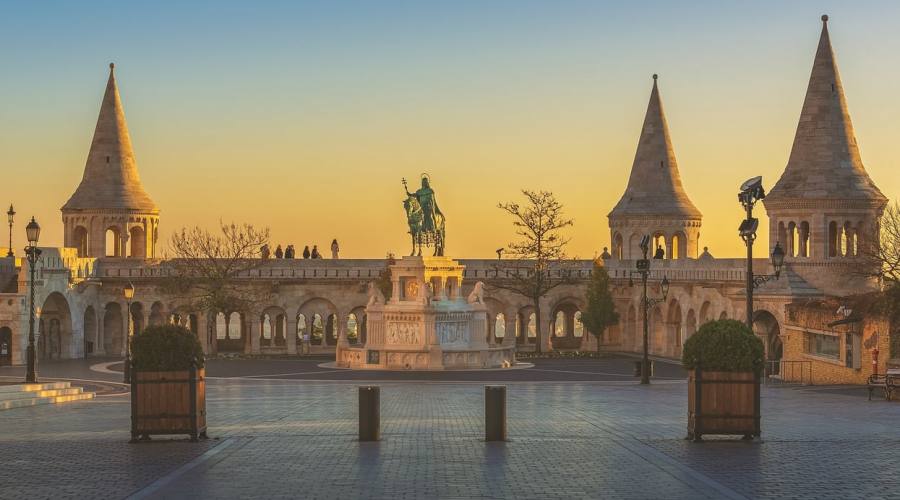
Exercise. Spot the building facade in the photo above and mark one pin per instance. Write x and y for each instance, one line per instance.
(822, 210)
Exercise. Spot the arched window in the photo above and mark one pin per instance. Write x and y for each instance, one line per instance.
(137, 243)
(532, 325)
(500, 326)
(318, 327)
(833, 239)
(559, 324)
(80, 237)
(617, 246)
(234, 326)
(579, 326)
(113, 242)
(675, 251)
(266, 327)
(352, 327)
(301, 326)
(804, 239)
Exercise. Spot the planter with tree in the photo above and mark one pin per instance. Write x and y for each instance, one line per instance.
(724, 359)
(168, 388)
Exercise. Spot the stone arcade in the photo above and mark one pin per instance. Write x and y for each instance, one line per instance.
(823, 210)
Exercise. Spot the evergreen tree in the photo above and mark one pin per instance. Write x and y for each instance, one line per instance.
(601, 310)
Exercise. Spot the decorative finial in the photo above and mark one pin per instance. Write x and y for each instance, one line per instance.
(824, 18)
(112, 66)
(655, 76)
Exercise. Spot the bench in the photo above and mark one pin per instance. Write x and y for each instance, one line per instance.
(888, 383)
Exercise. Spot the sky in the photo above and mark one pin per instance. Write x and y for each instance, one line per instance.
(304, 116)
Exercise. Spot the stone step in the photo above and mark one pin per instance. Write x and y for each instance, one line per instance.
(48, 393)
(22, 395)
(34, 387)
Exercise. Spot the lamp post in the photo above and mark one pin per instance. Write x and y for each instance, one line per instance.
(129, 294)
(10, 214)
(32, 232)
(751, 192)
(643, 269)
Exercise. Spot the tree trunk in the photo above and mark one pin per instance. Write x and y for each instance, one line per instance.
(598, 344)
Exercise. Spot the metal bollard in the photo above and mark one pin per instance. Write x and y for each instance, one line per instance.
(369, 413)
(495, 413)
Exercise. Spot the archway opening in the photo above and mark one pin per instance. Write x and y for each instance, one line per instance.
(55, 341)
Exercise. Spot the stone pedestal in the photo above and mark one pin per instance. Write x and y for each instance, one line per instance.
(426, 324)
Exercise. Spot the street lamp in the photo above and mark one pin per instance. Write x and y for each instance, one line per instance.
(10, 214)
(643, 269)
(129, 294)
(751, 192)
(32, 233)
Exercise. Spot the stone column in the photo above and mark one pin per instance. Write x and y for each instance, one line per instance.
(341, 325)
(509, 337)
(253, 330)
(99, 349)
(203, 332)
(291, 334)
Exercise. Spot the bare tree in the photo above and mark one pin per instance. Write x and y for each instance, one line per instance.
(883, 260)
(206, 266)
(536, 262)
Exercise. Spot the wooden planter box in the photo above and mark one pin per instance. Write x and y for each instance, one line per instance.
(170, 402)
(723, 403)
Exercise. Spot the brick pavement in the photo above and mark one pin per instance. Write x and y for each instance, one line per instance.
(292, 439)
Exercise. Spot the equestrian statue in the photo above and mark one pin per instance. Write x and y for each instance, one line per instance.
(426, 222)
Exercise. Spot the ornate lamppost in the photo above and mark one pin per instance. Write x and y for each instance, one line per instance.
(32, 232)
(10, 214)
(643, 269)
(129, 294)
(751, 192)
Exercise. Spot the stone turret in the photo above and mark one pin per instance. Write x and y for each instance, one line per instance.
(110, 214)
(824, 209)
(655, 202)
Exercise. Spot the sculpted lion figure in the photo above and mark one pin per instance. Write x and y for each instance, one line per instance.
(477, 294)
(375, 295)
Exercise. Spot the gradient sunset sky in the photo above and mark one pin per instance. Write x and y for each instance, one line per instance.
(304, 116)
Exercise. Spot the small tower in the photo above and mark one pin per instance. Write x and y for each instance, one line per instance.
(110, 214)
(655, 202)
(824, 209)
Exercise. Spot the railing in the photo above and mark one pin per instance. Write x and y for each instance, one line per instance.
(789, 372)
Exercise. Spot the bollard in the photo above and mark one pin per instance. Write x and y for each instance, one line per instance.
(369, 413)
(495, 413)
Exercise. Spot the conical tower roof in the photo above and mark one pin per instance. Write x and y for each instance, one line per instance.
(825, 162)
(111, 179)
(654, 187)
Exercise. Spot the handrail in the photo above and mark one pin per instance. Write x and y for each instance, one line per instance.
(789, 371)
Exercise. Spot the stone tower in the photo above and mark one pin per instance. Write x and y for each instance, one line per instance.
(110, 214)
(655, 202)
(824, 209)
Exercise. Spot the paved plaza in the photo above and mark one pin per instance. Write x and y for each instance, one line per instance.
(273, 436)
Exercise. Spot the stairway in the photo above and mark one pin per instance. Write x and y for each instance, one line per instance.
(21, 395)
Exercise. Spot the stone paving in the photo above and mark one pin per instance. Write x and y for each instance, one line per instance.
(297, 439)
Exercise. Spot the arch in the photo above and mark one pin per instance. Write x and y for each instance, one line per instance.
(352, 328)
(6, 347)
(113, 329)
(562, 325)
(113, 242)
(137, 242)
(500, 326)
(56, 337)
(157, 314)
(234, 340)
(221, 326)
(766, 327)
(705, 313)
(90, 331)
(137, 318)
(690, 324)
(679, 245)
(660, 241)
(617, 251)
(80, 240)
(331, 329)
(723, 315)
(675, 329)
(657, 331)
(631, 327)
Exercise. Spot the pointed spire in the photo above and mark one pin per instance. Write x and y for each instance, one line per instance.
(825, 161)
(654, 187)
(111, 178)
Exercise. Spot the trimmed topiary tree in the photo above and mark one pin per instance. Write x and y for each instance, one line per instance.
(166, 348)
(725, 345)
(725, 360)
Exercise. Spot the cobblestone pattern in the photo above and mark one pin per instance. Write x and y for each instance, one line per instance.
(292, 440)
